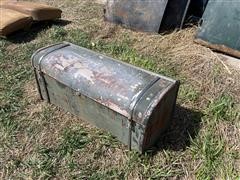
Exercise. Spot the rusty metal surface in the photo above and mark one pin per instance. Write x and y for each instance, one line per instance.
(112, 84)
(160, 116)
(144, 15)
(127, 101)
(219, 47)
(150, 99)
(147, 15)
(220, 27)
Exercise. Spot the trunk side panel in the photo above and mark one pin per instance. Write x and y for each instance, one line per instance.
(87, 109)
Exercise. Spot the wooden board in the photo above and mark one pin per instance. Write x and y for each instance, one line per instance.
(143, 15)
(11, 21)
(39, 12)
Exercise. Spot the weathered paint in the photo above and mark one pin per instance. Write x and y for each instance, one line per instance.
(143, 15)
(97, 77)
(110, 94)
(220, 27)
(147, 15)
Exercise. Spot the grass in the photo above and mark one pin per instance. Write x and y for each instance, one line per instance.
(40, 141)
(223, 109)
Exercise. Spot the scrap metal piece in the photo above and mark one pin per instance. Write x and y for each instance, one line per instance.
(220, 27)
(175, 14)
(143, 15)
(147, 15)
(133, 104)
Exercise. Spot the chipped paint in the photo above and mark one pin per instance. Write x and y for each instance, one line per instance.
(147, 15)
(97, 76)
(140, 115)
(106, 92)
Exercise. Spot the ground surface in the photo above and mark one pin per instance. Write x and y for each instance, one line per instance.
(40, 141)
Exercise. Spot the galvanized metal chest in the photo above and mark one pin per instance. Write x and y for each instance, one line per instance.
(133, 104)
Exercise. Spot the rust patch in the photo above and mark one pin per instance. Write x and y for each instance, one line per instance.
(113, 84)
(219, 47)
(159, 117)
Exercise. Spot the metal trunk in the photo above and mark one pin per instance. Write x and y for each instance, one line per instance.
(135, 105)
(220, 27)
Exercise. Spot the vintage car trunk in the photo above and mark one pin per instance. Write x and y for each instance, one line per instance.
(133, 104)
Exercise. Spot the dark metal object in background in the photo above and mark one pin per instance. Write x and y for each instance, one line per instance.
(175, 14)
(220, 29)
(197, 7)
(147, 15)
(143, 15)
(133, 104)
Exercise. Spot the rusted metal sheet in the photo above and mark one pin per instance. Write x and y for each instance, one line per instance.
(220, 27)
(147, 15)
(143, 15)
(125, 100)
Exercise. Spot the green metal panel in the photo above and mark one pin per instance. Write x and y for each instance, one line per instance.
(129, 102)
(88, 109)
(220, 26)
